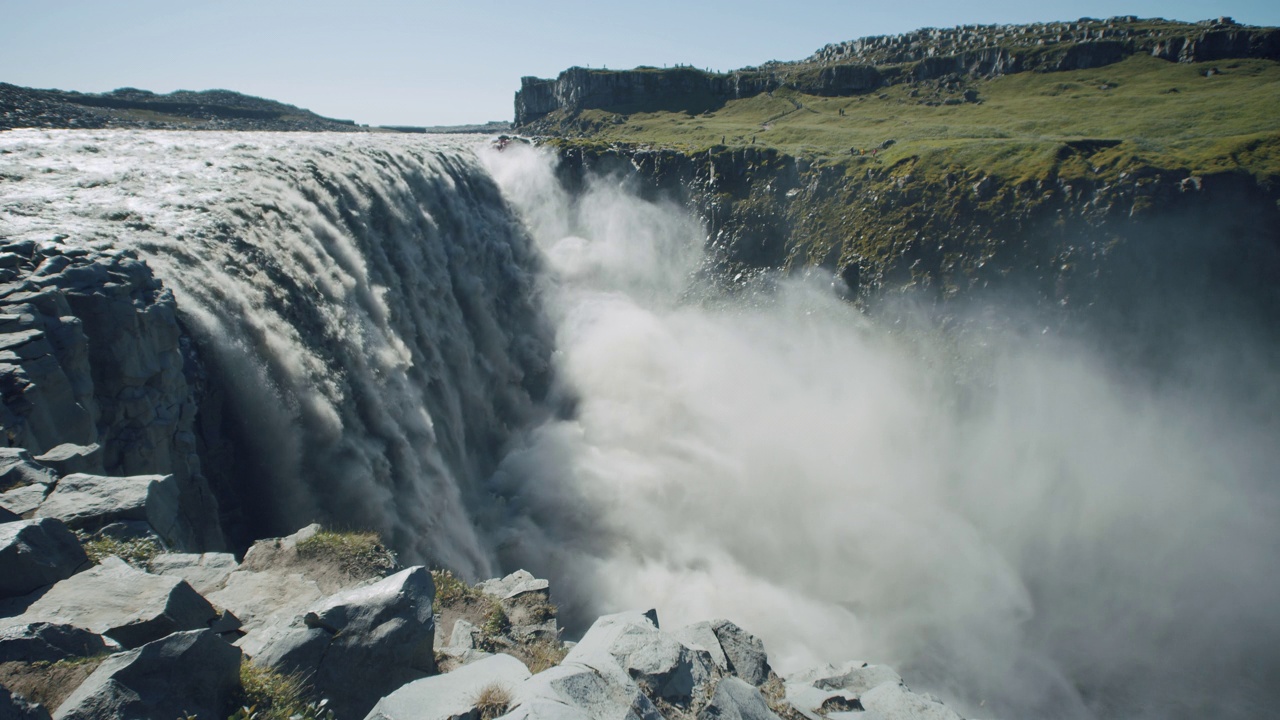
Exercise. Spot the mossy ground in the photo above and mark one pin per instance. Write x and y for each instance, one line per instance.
(1198, 117)
(359, 555)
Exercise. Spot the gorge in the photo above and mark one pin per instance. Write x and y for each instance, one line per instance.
(997, 412)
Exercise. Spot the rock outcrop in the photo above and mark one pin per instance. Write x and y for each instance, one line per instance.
(91, 355)
(35, 553)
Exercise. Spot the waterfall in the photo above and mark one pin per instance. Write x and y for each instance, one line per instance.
(365, 305)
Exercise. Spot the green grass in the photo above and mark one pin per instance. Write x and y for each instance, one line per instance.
(1165, 114)
(266, 694)
(137, 552)
(360, 555)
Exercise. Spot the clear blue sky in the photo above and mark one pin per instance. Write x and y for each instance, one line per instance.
(426, 63)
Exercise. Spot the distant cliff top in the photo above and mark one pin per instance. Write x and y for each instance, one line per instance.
(133, 108)
(862, 66)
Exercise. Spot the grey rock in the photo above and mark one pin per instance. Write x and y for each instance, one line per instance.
(573, 690)
(700, 636)
(452, 658)
(35, 553)
(736, 699)
(186, 673)
(262, 599)
(463, 635)
(357, 645)
(15, 707)
(745, 652)
(18, 468)
(892, 701)
(127, 605)
(662, 665)
(451, 696)
(24, 500)
(69, 458)
(7, 516)
(206, 572)
(48, 642)
(855, 677)
(513, 585)
(91, 501)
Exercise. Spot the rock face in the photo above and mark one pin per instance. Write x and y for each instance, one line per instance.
(90, 355)
(192, 673)
(91, 502)
(35, 553)
(48, 642)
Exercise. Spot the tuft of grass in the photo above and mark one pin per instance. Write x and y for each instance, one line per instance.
(543, 654)
(452, 590)
(270, 695)
(495, 622)
(492, 701)
(360, 555)
(138, 552)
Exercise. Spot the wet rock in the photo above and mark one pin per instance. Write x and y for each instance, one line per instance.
(184, 674)
(456, 694)
(127, 605)
(35, 553)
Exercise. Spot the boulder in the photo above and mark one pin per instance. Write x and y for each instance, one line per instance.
(192, 673)
(744, 651)
(662, 665)
(735, 699)
(893, 701)
(261, 599)
(24, 499)
(513, 585)
(14, 707)
(357, 645)
(127, 605)
(463, 635)
(92, 501)
(821, 691)
(700, 636)
(69, 458)
(18, 468)
(206, 572)
(48, 642)
(571, 691)
(8, 517)
(456, 695)
(35, 553)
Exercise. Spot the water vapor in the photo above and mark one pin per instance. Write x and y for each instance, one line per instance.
(1019, 522)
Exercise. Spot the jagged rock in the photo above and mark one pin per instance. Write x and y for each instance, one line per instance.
(260, 599)
(892, 701)
(514, 585)
(632, 642)
(14, 707)
(91, 501)
(48, 642)
(18, 468)
(736, 699)
(357, 645)
(452, 696)
(186, 673)
(127, 605)
(573, 691)
(700, 636)
(206, 572)
(820, 691)
(35, 553)
(69, 458)
(744, 651)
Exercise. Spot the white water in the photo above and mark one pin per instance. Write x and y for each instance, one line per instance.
(1012, 521)
(367, 301)
(1009, 520)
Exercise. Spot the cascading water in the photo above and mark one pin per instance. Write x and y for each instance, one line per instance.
(1012, 520)
(1015, 520)
(367, 305)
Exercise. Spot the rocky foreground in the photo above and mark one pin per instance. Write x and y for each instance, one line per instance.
(99, 619)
